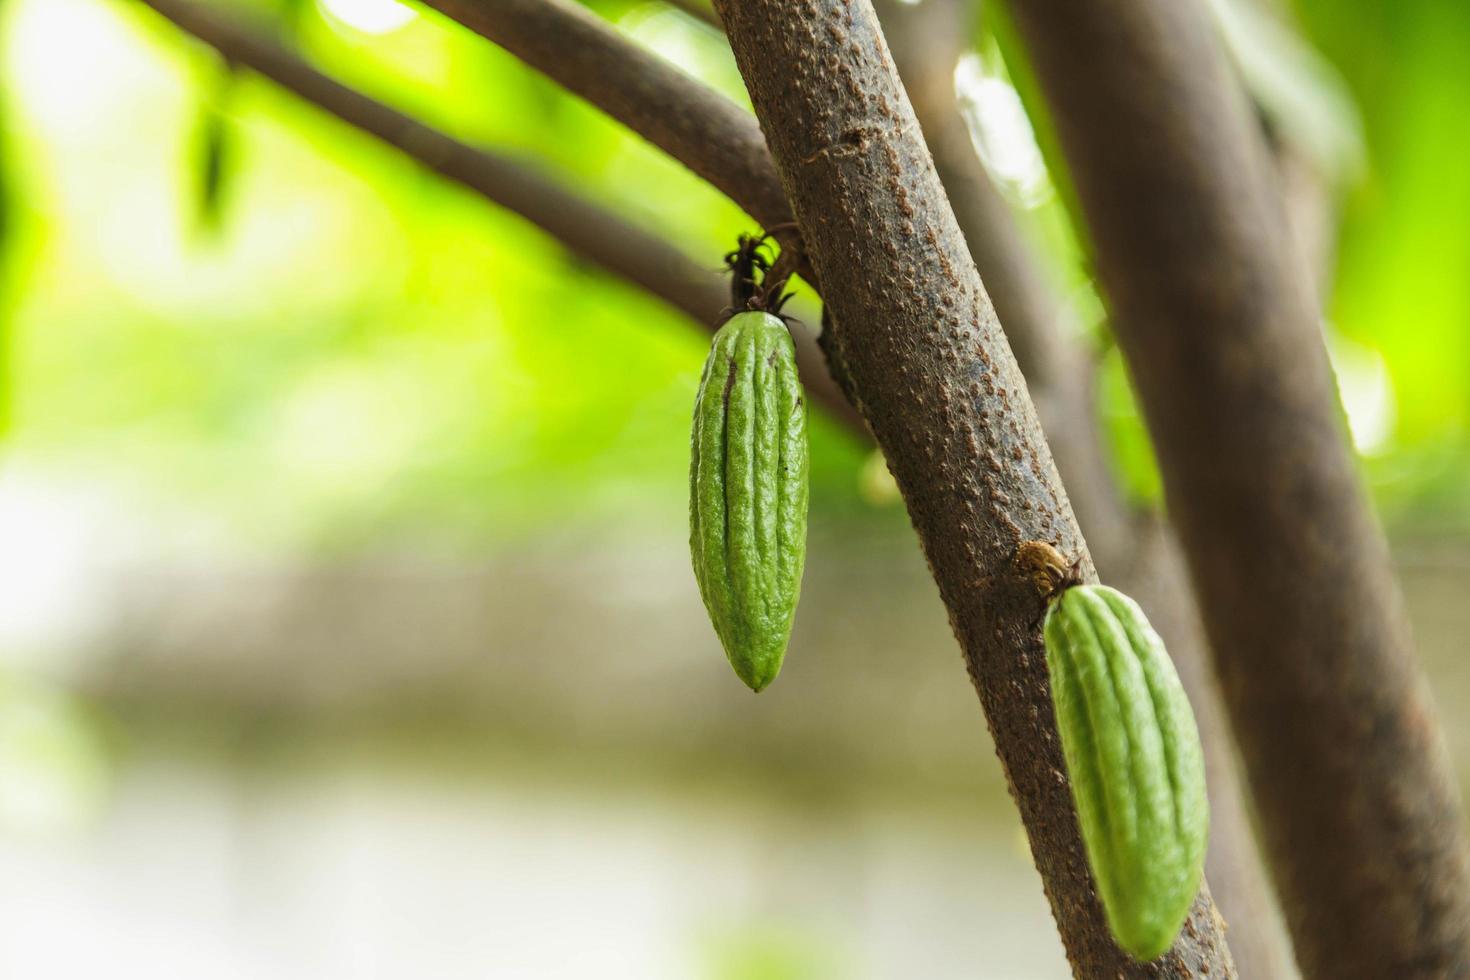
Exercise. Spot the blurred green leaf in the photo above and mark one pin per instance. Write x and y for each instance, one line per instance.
(215, 152)
(1298, 91)
(1126, 434)
(1401, 288)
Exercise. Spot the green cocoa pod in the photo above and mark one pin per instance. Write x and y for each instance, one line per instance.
(1134, 758)
(748, 492)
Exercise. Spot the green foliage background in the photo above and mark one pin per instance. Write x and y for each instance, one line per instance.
(356, 353)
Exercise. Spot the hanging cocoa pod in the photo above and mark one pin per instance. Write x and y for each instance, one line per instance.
(748, 492)
(1134, 761)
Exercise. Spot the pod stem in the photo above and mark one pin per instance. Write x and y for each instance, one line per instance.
(757, 282)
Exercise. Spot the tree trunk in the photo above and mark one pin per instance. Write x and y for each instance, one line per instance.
(933, 376)
(1134, 551)
(1358, 809)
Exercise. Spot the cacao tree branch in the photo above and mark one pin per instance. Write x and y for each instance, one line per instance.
(1311, 216)
(1360, 814)
(698, 9)
(584, 227)
(688, 120)
(927, 40)
(937, 383)
(1136, 552)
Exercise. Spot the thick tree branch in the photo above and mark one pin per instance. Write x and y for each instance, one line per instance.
(585, 228)
(939, 388)
(1359, 811)
(1135, 552)
(927, 40)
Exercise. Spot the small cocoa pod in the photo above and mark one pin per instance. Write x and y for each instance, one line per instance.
(1134, 758)
(748, 492)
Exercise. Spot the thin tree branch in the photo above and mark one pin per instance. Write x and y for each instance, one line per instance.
(585, 228)
(1359, 809)
(1311, 216)
(698, 9)
(1137, 553)
(941, 392)
(691, 122)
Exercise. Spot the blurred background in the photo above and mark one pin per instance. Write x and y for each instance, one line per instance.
(346, 622)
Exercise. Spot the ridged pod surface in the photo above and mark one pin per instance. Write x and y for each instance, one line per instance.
(748, 492)
(1134, 758)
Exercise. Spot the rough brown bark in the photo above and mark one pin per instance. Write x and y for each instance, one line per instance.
(1134, 551)
(939, 388)
(927, 40)
(1359, 812)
